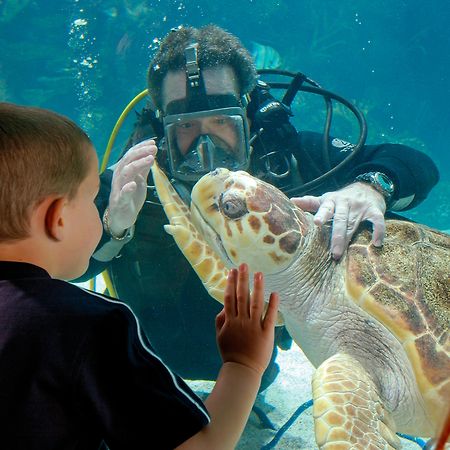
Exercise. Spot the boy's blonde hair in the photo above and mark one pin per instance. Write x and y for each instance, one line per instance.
(41, 153)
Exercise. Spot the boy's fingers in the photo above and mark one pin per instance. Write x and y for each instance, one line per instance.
(257, 297)
(270, 318)
(242, 291)
(229, 301)
(220, 320)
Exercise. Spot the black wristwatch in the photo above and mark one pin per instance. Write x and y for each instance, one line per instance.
(379, 181)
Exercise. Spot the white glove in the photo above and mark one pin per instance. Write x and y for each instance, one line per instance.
(348, 207)
(129, 186)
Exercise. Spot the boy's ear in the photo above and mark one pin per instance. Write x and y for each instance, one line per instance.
(54, 218)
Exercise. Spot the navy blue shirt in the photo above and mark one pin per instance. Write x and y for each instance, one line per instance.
(76, 370)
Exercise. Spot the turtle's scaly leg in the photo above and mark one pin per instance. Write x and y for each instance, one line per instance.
(202, 258)
(348, 412)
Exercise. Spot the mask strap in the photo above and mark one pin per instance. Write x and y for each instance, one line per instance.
(192, 68)
(196, 98)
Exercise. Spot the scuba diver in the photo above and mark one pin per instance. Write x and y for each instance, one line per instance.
(207, 109)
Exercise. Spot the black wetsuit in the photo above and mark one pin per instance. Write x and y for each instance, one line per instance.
(155, 279)
(76, 370)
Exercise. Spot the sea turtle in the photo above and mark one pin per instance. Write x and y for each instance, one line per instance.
(375, 324)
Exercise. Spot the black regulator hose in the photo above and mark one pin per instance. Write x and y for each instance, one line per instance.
(356, 149)
(292, 88)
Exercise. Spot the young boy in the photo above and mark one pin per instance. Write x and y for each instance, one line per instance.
(75, 369)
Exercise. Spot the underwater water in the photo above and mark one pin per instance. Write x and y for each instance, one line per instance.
(87, 59)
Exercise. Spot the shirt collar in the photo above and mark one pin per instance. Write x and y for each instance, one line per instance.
(10, 270)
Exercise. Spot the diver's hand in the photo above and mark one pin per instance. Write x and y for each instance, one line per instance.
(244, 334)
(129, 186)
(348, 207)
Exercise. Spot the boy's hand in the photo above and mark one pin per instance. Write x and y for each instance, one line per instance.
(129, 186)
(244, 334)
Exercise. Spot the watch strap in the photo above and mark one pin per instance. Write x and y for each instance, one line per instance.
(127, 236)
(380, 182)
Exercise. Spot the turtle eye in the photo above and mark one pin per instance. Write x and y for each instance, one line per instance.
(232, 206)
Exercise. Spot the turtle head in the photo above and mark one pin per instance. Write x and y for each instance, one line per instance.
(247, 220)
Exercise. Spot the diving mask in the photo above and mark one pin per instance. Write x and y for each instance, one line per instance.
(200, 142)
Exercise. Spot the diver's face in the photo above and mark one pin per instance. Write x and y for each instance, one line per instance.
(222, 128)
(218, 80)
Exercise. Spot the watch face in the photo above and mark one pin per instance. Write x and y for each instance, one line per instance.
(384, 182)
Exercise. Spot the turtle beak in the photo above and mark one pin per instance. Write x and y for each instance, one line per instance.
(211, 237)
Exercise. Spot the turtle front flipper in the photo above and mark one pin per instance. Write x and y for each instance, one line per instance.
(348, 412)
(208, 266)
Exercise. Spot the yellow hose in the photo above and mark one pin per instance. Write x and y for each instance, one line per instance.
(112, 138)
(117, 126)
(108, 283)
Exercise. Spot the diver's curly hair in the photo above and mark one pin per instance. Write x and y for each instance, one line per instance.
(216, 47)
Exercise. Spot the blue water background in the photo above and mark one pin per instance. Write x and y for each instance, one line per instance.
(88, 59)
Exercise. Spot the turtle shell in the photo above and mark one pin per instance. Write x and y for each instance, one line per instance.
(406, 287)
